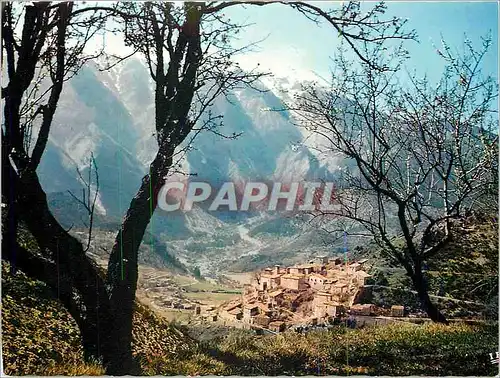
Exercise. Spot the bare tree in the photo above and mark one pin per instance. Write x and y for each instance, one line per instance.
(190, 69)
(88, 200)
(420, 156)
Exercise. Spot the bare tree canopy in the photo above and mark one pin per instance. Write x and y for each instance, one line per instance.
(420, 155)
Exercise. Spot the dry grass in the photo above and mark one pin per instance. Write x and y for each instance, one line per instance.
(383, 350)
(211, 298)
(51, 345)
(73, 370)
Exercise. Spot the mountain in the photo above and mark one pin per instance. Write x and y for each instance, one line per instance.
(111, 114)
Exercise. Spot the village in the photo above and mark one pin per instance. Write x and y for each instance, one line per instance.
(314, 294)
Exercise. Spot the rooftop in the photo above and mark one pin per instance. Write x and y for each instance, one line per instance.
(361, 306)
(277, 324)
(269, 275)
(293, 276)
(235, 311)
(304, 266)
(231, 307)
(363, 274)
(276, 293)
(316, 275)
(323, 293)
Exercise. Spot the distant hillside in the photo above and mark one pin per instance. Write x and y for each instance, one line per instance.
(72, 215)
(152, 252)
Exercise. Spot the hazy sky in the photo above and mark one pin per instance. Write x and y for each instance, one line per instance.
(295, 43)
(296, 46)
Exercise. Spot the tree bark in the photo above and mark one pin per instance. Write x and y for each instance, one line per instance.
(61, 284)
(123, 268)
(67, 253)
(421, 287)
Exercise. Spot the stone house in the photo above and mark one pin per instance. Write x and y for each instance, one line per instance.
(362, 309)
(293, 281)
(306, 268)
(261, 320)
(322, 296)
(264, 308)
(232, 314)
(320, 269)
(327, 309)
(317, 281)
(340, 288)
(269, 281)
(275, 298)
(354, 267)
(277, 326)
(250, 310)
(361, 277)
(235, 314)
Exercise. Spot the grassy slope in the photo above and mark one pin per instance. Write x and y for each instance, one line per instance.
(385, 350)
(39, 336)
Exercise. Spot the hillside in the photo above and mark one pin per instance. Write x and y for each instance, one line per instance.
(33, 318)
(463, 278)
(39, 337)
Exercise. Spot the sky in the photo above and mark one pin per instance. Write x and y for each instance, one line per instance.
(297, 46)
(294, 46)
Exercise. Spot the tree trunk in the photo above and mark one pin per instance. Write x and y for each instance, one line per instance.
(123, 269)
(61, 284)
(423, 294)
(10, 223)
(67, 254)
